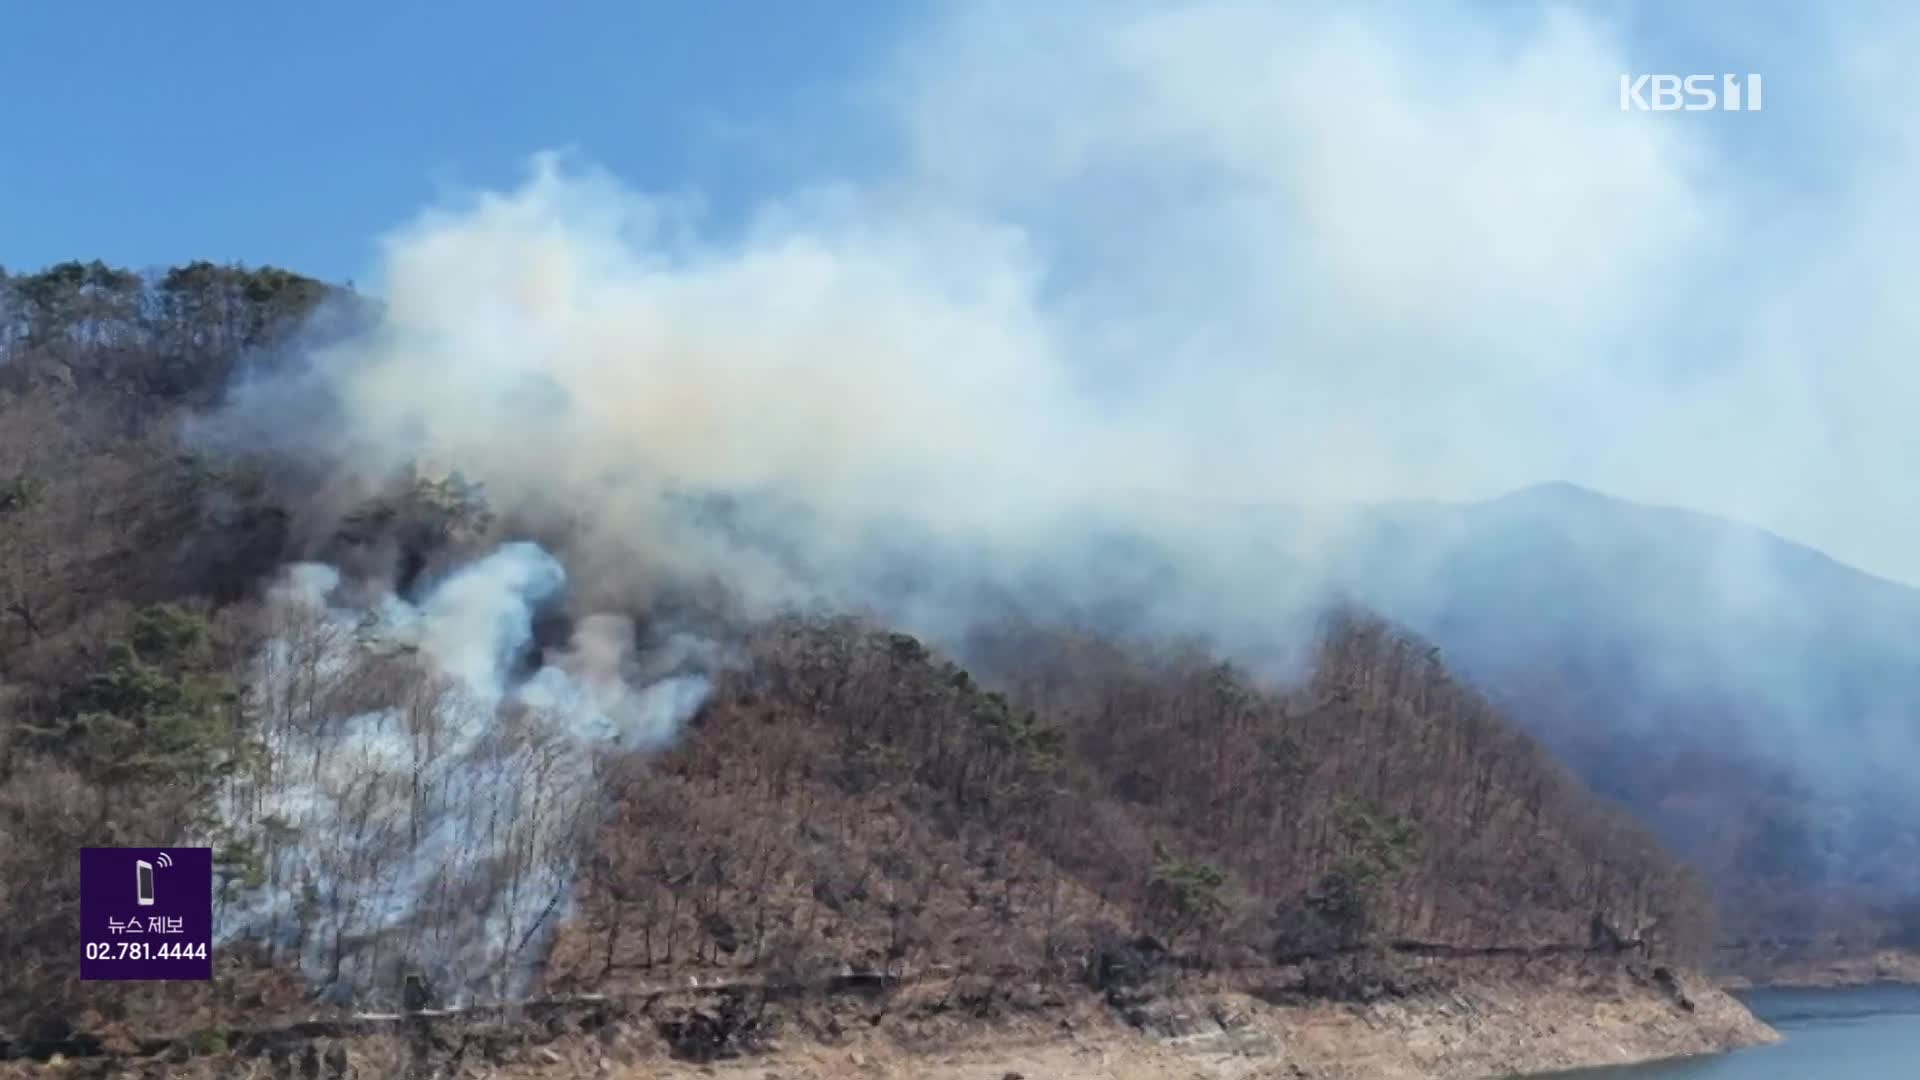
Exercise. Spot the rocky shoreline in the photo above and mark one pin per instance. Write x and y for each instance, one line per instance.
(1469, 1034)
(1498, 1021)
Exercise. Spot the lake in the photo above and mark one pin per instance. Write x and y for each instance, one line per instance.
(1870, 1033)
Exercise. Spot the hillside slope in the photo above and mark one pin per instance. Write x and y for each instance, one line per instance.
(854, 799)
(1065, 811)
(1752, 700)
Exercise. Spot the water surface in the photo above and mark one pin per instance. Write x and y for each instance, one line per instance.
(1869, 1033)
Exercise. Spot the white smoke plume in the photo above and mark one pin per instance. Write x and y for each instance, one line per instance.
(1133, 267)
(1139, 258)
(415, 806)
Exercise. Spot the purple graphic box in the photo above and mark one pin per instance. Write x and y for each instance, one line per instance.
(146, 913)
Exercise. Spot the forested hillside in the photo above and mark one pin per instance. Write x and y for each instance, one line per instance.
(1750, 699)
(846, 797)
(849, 797)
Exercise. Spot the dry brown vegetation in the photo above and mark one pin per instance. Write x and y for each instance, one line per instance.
(1062, 808)
(851, 801)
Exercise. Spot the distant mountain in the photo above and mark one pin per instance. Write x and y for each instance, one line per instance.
(1757, 702)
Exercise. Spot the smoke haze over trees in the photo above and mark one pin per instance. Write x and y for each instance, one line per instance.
(980, 559)
(161, 687)
(847, 797)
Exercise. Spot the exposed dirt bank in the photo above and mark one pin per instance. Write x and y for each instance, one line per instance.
(1492, 1024)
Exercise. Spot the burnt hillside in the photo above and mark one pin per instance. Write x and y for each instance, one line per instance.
(847, 798)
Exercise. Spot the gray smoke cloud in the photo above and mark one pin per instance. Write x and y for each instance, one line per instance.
(1169, 274)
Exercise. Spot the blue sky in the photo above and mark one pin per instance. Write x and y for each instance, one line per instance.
(149, 134)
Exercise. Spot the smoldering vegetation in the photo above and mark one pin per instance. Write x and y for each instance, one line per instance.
(413, 806)
(434, 758)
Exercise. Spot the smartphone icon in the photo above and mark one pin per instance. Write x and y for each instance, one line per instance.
(144, 870)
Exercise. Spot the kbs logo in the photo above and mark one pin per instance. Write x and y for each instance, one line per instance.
(1693, 93)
